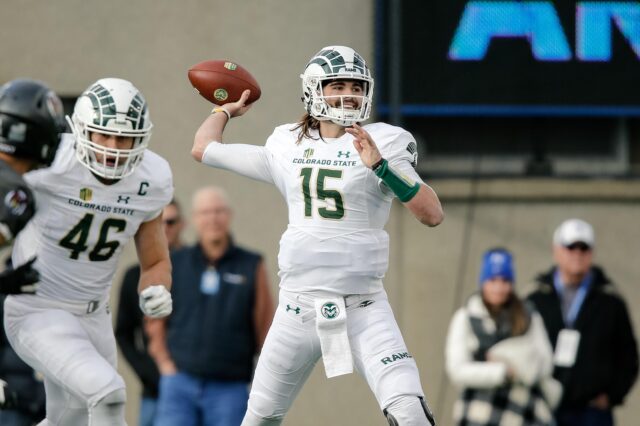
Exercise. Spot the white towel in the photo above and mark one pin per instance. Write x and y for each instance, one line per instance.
(331, 326)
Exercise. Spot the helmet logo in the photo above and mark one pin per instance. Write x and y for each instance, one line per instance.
(104, 109)
(18, 132)
(220, 94)
(230, 66)
(330, 310)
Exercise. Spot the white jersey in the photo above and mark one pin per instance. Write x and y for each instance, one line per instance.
(335, 241)
(81, 225)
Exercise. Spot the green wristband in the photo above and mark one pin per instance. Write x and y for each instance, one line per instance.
(404, 189)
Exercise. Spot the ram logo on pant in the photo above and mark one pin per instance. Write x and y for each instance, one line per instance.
(330, 310)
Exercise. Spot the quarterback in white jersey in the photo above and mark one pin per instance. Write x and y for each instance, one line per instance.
(103, 188)
(339, 179)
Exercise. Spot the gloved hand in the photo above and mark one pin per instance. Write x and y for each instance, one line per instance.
(20, 280)
(155, 301)
(8, 398)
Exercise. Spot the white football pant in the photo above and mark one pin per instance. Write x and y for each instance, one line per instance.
(76, 352)
(292, 348)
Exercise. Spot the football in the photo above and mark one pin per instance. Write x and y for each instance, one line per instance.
(220, 81)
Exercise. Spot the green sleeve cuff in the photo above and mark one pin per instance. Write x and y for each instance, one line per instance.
(401, 185)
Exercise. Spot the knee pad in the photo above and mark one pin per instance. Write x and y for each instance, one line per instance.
(251, 419)
(109, 411)
(409, 411)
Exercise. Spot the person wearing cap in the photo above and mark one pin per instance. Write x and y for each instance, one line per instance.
(498, 353)
(588, 324)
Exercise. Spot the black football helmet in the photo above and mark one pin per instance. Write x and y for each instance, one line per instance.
(31, 120)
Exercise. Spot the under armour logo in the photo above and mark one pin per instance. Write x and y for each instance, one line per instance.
(346, 154)
(296, 310)
(123, 199)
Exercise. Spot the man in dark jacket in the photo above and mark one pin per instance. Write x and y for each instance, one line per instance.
(129, 323)
(595, 351)
(222, 312)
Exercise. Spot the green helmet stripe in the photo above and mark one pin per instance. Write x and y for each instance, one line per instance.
(136, 112)
(103, 105)
(105, 108)
(332, 62)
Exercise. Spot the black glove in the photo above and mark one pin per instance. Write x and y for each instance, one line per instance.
(8, 398)
(21, 280)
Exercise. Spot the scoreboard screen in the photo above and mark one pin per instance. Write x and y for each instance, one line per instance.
(528, 58)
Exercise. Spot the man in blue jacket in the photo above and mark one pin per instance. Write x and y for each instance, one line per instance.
(222, 311)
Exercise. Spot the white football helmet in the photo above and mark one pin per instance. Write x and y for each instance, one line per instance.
(336, 63)
(111, 106)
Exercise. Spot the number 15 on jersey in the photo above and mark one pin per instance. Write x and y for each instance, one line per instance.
(313, 187)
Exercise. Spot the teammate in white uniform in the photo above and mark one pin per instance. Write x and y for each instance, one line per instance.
(339, 180)
(103, 188)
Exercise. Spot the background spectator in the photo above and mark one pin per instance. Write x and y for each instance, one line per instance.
(498, 353)
(596, 355)
(129, 324)
(222, 312)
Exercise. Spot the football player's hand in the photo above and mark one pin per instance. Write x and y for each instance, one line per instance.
(8, 398)
(236, 109)
(155, 301)
(364, 144)
(20, 280)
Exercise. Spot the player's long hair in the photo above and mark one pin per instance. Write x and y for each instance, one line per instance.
(513, 311)
(304, 127)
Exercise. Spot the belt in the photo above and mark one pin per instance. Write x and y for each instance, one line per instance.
(93, 306)
(351, 301)
(36, 302)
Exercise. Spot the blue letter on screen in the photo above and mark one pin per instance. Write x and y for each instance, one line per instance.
(593, 28)
(536, 21)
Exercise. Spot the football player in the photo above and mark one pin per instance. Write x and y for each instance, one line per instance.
(103, 188)
(31, 120)
(339, 179)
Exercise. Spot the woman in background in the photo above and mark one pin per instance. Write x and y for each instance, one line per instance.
(497, 351)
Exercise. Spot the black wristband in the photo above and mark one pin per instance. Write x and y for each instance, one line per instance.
(377, 164)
